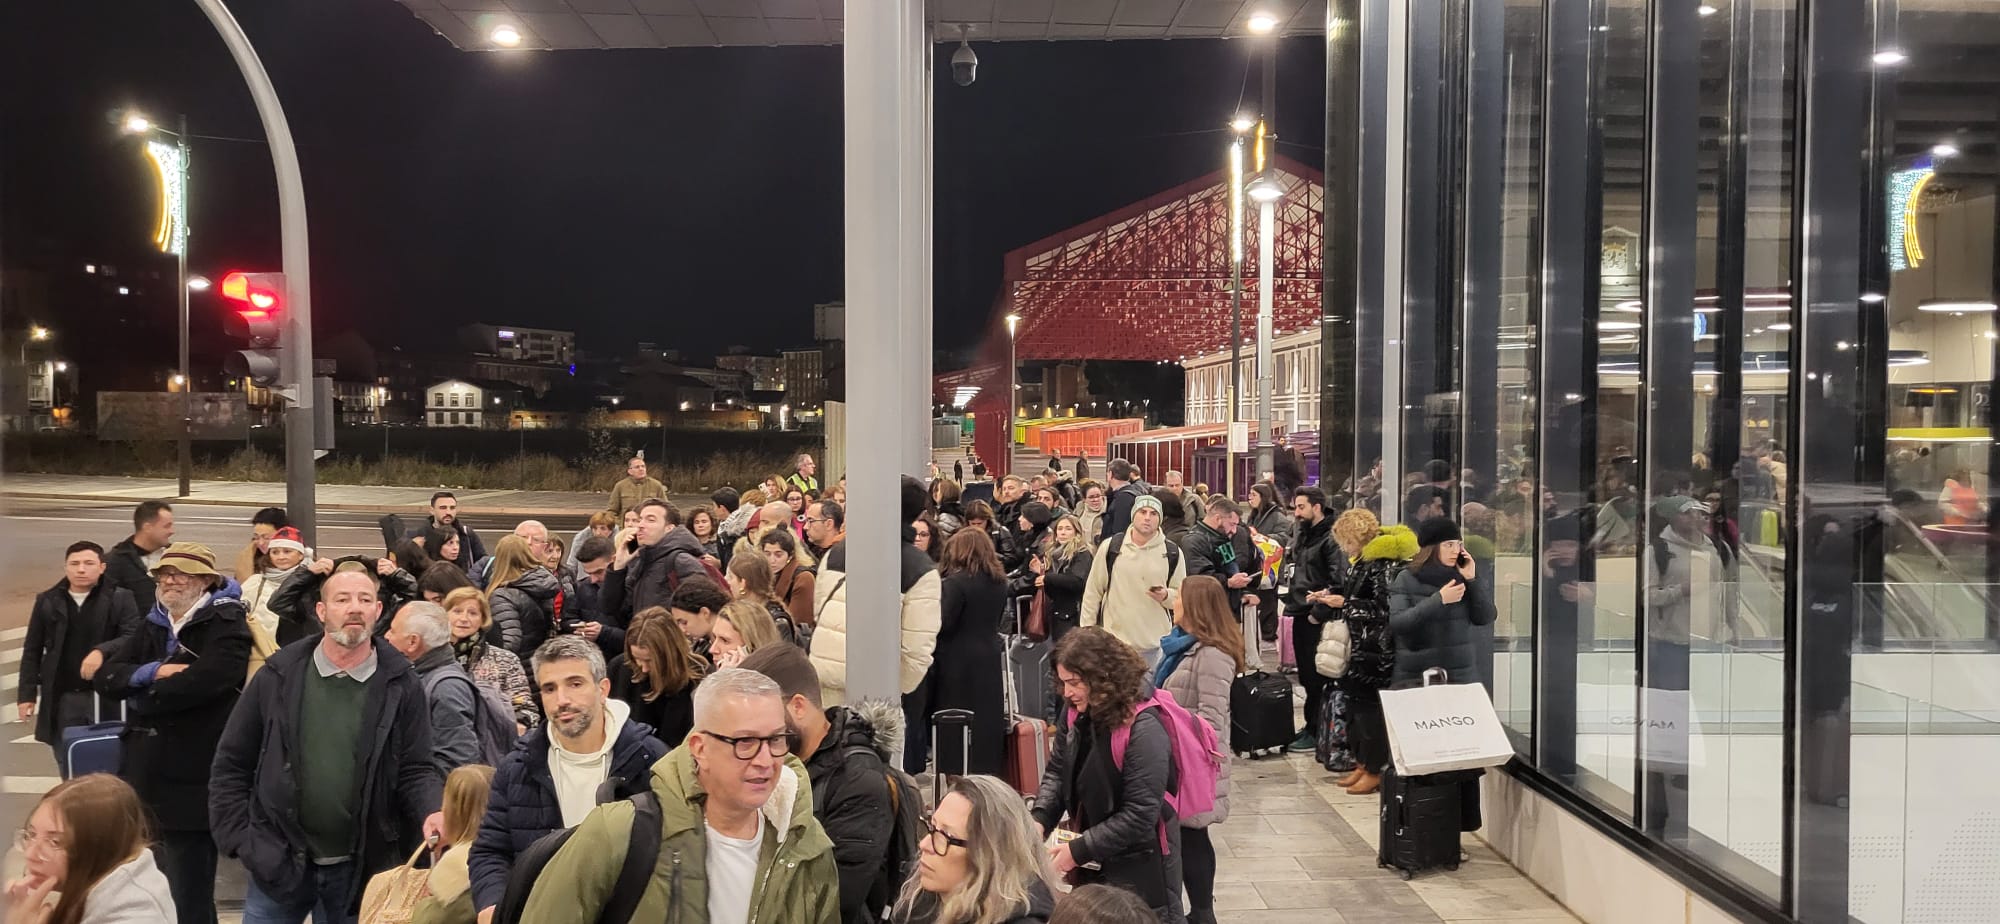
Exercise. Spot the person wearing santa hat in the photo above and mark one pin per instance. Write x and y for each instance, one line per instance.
(284, 553)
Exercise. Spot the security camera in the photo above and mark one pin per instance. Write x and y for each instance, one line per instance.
(964, 63)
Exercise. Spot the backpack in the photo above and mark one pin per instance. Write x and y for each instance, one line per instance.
(714, 574)
(1117, 541)
(642, 853)
(1197, 760)
(906, 807)
(492, 716)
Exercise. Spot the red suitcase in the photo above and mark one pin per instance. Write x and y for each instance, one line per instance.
(1028, 741)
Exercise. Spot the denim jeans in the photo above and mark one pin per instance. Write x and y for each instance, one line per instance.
(327, 902)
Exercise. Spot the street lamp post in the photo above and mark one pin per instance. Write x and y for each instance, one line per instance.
(1013, 389)
(1266, 191)
(1240, 125)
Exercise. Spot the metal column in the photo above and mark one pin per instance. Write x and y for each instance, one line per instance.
(885, 47)
(913, 200)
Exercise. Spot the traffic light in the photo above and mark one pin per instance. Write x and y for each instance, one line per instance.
(258, 303)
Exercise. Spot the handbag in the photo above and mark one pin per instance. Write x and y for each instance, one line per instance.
(1443, 726)
(1335, 643)
(1036, 624)
(392, 894)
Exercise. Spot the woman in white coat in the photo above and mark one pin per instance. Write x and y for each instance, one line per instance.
(1208, 646)
(87, 840)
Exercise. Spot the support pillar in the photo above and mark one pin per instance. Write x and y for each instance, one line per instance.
(885, 54)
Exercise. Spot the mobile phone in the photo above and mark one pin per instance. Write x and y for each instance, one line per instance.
(1157, 587)
(1464, 559)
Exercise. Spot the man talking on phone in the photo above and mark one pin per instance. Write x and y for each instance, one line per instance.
(1317, 570)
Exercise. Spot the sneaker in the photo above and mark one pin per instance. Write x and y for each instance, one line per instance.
(1303, 744)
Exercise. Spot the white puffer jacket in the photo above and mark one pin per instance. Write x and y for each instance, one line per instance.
(922, 594)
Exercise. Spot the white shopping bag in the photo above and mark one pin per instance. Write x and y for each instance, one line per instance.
(1667, 729)
(1443, 726)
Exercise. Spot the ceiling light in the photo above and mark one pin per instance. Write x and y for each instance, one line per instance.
(1617, 325)
(1872, 298)
(1706, 10)
(1264, 189)
(1955, 305)
(505, 36)
(1261, 23)
(1890, 57)
(1780, 326)
(1944, 149)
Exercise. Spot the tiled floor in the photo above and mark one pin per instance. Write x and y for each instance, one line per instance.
(1298, 849)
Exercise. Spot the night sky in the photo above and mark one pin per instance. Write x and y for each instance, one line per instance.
(691, 197)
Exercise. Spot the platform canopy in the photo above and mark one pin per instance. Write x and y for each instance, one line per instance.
(589, 24)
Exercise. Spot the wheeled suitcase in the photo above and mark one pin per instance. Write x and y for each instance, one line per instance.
(1420, 822)
(1332, 748)
(1028, 676)
(1260, 713)
(1253, 640)
(94, 748)
(942, 719)
(1028, 740)
(1286, 661)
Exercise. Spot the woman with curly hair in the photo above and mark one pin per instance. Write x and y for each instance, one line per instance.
(1378, 555)
(1116, 804)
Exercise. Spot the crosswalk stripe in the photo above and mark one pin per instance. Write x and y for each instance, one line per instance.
(10, 656)
(15, 634)
(28, 785)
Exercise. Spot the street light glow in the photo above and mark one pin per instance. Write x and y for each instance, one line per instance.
(1263, 189)
(1013, 321)
(198, 283)
(179, 379)
(138, 124)
(505, 36)
(62, 367)
(38, 332)
(122, 290)
(1242, 123)
(1261, 23)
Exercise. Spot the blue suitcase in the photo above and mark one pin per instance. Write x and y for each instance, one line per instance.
(94, 748)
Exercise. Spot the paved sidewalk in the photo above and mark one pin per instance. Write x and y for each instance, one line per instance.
(330, 496)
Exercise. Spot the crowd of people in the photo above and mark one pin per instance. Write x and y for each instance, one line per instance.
(653, 718)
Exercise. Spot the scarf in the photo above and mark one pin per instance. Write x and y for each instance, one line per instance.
(1173, 647)
(468, 650)
(1436, 573)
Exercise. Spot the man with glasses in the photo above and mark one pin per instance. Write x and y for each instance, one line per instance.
(179, 674)
(538, 545)
(826, 524)
(738, 841)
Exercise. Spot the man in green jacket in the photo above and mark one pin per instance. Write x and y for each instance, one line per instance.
(637, 486)
(738, 841)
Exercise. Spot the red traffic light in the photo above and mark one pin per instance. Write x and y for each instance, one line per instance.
(257, 299)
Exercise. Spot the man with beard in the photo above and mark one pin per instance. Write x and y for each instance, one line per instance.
(549, 781)
(314, 812)
(444, 519)
(179, 673)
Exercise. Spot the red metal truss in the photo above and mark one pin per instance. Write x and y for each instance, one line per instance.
(1151, 280)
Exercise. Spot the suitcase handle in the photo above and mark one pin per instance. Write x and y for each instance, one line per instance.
(939, 719)
(1442, 676)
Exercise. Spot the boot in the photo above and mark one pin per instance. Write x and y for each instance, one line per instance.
(1366, 785)
(1350, 778)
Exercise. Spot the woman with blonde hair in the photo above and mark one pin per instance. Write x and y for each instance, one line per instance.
(657, 674)
(450, 881)
(978, 861)
(87, 839)
(750, 580)
(1378, 554)
(491, 666)
(741, 628)
(1199, 679)
(522, 593)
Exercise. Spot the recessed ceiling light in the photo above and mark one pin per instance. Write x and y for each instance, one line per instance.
(505, 36)
(1955, 305)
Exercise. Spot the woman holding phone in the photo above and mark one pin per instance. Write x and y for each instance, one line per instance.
(1433, 605)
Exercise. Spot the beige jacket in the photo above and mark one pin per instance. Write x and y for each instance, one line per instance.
(1119, 600)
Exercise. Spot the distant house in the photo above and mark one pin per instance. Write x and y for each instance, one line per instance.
(477, 404)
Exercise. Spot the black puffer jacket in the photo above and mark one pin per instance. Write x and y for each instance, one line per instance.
(1432, 633)
(1371, 661)
(1064, 581)
(650, 577)
(1210, 552)
(172, 723)
(850, 790)
(1316, 563)
(254, 800)
(297, 618)
(524, 611)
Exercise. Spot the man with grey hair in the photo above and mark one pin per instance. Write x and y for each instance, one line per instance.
(550, 781)
(735, 806)
(538, 545)
(422, 632)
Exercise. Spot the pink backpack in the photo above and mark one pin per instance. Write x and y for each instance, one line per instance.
(1196, 755)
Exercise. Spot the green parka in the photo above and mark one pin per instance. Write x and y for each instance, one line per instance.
(797, 881)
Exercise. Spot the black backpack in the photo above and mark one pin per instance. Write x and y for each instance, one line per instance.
(642, 853)
(1117, 541)
(906, 807)
(492, 715)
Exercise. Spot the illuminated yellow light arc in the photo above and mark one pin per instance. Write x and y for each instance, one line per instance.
(159, 172)
(170, 231)
(1913, 245)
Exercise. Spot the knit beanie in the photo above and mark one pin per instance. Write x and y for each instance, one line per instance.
(1435, 530)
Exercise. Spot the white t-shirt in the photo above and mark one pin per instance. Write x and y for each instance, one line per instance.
(732, 875)
(79, 597)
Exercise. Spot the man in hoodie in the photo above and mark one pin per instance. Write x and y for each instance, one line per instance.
(1134, 578)
(847, 751)
(69, 621)
(550, 781)
(1125, 491)
(650, 560)
(738, 840)
(180, 673)
(130, 563)
(315, 807)
(422, 633)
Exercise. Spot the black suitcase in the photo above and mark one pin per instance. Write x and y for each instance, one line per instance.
(1420, 822)
(1260, 713)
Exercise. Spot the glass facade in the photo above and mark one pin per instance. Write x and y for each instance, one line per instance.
(1692, 303)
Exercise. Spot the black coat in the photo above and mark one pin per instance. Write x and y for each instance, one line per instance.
(966, 672)
(172, 724)
(650, 577)
(1124, 835)
(522, 806)
(48, 669)
(1371, 659)
(850, 790)
(1431, 633)
(1117, 513)
(1203, 549)
(1063, 583)
(1316, 563)
(296, 598)
(670, 715)
(125, 566)
(524, 612)
(254, 799)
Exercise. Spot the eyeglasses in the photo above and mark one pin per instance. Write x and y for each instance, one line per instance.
(938, 841)
(819, 519)
(746, 748)
(26, 839)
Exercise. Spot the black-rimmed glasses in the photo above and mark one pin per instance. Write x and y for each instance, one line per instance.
(746, 748)
(939, 841)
